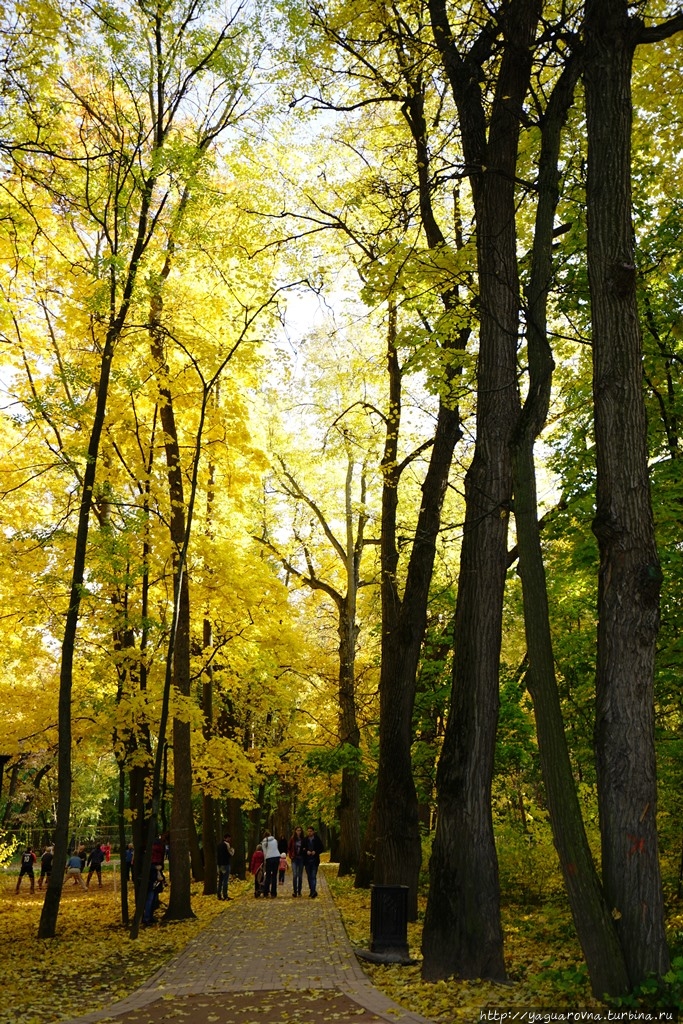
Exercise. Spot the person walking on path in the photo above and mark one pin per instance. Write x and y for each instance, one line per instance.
(282, 869)
(271, 856)
(73, 870)
(224, 853)
(46, 865)
(313, 847)
(296, 856)
(28, 859)
(95, 861)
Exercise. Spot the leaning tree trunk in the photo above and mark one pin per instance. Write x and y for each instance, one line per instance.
(398, 852)
(462, 933)
(630, 574)
(591, 913)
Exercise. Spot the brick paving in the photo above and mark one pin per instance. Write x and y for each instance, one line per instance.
(283, 960)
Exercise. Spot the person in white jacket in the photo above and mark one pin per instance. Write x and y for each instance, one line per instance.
(271, 855)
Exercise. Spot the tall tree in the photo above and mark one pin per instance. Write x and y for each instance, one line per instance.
(630, 574)
(348, 551)
(591, 913)
(411, 260)
(462, 932)
(114, 156)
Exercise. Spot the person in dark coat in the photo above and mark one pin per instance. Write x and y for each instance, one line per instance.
(46, 865)
(224, 853)
(296, 855)
(95, 861)
(313, 847)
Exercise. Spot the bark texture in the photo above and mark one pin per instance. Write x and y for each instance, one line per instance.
(630, 575)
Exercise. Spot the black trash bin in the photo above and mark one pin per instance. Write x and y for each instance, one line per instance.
(389, 921)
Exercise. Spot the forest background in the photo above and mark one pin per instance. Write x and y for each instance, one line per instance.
(341, 448)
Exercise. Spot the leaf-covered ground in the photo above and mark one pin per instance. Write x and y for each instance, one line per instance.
(92, 961)
(543, 959)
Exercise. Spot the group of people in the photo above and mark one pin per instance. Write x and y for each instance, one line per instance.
(269, 862)
(75, 865)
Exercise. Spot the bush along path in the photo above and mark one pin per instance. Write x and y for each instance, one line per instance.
(283, 960)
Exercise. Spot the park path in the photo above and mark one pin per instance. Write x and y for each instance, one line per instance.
(282, 961)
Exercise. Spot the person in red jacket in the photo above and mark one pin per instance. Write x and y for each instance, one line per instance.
(256, 868)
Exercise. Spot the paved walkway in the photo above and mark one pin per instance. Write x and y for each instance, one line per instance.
(276, 961)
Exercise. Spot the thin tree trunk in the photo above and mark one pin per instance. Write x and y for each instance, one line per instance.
(179, 903)
(236, 829)
(630, 574)
(349, 734)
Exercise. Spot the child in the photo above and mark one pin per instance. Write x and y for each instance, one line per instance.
(283, 867)
(256, 868)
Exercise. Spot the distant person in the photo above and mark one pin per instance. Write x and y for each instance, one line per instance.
(271, 856)
(282, 869)
(28, 859)
(224, 854)
(257, 870)
(46, 865)
(106, 850)
(296, 856)
(127, 864)
(313, 847)
(95, 860)
(159, 851)
(282, 844)
(73, 870)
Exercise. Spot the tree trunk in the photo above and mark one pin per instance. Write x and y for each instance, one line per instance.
(236, 830)
(349, 735)
(393, 832)
(179, 903)
(48, 918)
(591, 914)
(630, 575)
(196, 853)
(462, 932)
